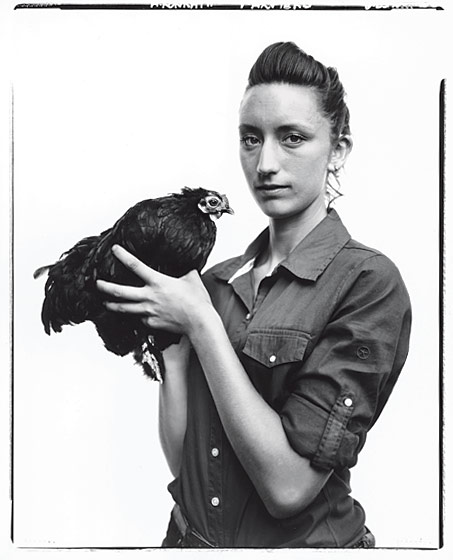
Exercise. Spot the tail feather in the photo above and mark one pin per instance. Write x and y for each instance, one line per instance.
(68, 294)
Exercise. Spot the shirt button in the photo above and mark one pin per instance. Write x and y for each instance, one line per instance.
(272, 358)
(215, 501)
(347, 402)
(248, 316)
(363, 352)
(214, 452)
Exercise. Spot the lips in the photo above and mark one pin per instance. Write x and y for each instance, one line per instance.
(271, 187)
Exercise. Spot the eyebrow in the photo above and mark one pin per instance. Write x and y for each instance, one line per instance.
(306, 129)
(296, 126)
(243, 127)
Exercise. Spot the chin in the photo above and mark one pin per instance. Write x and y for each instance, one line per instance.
(280, 208)
(277, 210)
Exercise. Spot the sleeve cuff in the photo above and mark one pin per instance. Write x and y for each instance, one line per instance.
(319, 435)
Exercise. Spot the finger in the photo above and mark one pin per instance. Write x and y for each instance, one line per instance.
(126, 307)
(131, 293)
(139, 268)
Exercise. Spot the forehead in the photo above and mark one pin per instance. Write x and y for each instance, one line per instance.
(275, 104)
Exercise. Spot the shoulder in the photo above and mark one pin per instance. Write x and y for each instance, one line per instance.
(221, 271)
(370, 270)
(355, 256)
(223, 267)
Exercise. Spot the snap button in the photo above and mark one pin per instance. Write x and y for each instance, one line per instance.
(214, 452)
(347, 402)
(272, 358)
(215, 501)
(363, 352)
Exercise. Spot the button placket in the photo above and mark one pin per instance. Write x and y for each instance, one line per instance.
(214, 490)
(263, 289)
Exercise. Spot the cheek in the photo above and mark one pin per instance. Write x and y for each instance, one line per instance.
(247, 164)
(313, 168)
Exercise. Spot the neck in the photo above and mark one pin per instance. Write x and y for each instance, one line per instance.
(286, 234)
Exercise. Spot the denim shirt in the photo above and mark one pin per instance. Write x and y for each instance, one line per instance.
(323, 342)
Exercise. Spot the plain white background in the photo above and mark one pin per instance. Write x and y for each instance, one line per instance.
(114, 107)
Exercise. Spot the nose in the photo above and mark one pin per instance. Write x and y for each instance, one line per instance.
(268, 160)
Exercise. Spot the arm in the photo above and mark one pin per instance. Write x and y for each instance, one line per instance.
(173, 404)
(285, 481)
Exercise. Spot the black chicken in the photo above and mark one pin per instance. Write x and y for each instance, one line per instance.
(172, 234)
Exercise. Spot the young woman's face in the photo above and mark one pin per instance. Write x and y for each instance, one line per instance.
(285, 149)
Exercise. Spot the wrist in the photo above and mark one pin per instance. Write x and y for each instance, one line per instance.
(176, 358)
(203, 319)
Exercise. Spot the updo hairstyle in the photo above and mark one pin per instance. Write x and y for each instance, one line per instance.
(287, 63)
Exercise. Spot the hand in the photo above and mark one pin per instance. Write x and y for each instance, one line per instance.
(172, 304)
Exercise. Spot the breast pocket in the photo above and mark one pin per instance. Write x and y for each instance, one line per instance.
(273, 347)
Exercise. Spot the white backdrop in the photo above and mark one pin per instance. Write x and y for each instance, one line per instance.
(111, 107)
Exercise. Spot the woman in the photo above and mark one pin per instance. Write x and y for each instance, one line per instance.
(290, 351)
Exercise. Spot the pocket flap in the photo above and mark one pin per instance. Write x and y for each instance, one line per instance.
(272, 347)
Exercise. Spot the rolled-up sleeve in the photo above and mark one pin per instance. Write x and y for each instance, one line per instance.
(344, 381)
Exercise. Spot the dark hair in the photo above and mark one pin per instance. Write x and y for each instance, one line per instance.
(287, 63)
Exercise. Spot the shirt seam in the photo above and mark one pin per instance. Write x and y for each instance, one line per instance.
(353, 270)
(287, 331)
(332, 532)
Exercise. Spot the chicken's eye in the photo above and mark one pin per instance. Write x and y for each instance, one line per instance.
(213, 202)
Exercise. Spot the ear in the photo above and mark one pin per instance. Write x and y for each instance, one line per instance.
(340, 152)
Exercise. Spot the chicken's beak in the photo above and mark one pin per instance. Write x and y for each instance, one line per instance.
(226, 205)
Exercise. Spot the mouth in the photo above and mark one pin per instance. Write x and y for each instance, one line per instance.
(271, 187)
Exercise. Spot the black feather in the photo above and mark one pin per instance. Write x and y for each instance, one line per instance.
(172, 234)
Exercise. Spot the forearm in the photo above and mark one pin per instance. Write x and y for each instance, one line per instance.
(284, 479)
(173, 404)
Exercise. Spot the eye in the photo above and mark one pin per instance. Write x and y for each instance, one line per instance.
(213, 202)
(293, 139)
(250, 140)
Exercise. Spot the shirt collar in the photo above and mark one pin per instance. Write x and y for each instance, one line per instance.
(307, 261)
